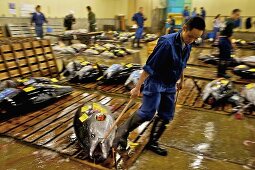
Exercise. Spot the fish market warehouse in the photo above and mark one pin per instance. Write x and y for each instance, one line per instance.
(127, 84)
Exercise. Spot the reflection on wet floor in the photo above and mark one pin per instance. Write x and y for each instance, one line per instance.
(17, 156)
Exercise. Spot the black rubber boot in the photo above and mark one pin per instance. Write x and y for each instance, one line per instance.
(138, 43)
(157, 130)
(123, 131)
(133, 43)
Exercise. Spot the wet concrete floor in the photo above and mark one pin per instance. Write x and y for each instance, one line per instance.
(195, 140)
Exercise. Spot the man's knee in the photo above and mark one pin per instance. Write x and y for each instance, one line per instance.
(146, 116)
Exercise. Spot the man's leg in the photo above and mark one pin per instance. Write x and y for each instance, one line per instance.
(140, 34)
(37, 31)
(41, 32)
(145, 113)
(225, 54)
(165, 114)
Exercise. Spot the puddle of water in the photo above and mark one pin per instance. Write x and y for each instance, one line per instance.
(213, 135)
(18, 156)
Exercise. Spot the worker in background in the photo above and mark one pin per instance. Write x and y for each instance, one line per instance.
(170, 25)
(225, 45)
(139, 19)
(203, 12)
(161, 76)
(194, 12)
(186, 14)
(217, 24)
(39, 19)
(91, 19)
(69, 20)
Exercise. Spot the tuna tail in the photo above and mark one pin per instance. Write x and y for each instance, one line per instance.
(63, 67)
(101, 72)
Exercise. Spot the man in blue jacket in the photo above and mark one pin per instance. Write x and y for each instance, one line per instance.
(186, 14)
(225, 45)
(139, 20)
(39, 19)
(161, 72)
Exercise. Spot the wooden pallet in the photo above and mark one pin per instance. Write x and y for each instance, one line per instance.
(52, 126)
(190, 96)
(1, 32)
(26, 59)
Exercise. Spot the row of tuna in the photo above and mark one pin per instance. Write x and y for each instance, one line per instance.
(243, 67)
(29, 93)
(85, 72)
(222, 91)
(106, 50)
(125, 36)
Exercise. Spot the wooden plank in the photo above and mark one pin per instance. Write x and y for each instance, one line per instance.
(21, 131)
(8, 56)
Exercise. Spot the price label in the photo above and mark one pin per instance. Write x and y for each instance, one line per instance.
(252, 70)
(241, 66)
(129, 65)
(84, 108)
(54, 80)
(22, 80)
(29, 89)
(57, 86)
(250, 86)
(83, 117)
(84, 63)
(99, 78)
(224, 82)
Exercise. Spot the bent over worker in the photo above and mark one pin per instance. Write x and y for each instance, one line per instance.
(161, 72)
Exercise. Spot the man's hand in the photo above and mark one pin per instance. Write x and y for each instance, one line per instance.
(234, 46)
(135, 92)
(179, 85)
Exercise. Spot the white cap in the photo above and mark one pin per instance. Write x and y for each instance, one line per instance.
(71, 12)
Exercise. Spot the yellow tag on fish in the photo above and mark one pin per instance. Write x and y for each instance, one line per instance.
(83, 117)
(98, 107)
(99, 78)
(54, 85)
(250, 86)
(132, 144)
(54, 80)
(252, 70)
(94, 66)
(28, 89)
(129, 65)
(84, 108)
(224, 82)
(80, 59)
(84, 63)
(241, 66)
(233, 55)
(22, 80)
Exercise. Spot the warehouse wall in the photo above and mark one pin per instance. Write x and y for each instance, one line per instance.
(56, 8)
(224, 7)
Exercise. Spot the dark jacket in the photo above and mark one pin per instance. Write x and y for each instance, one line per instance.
(38, 18)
